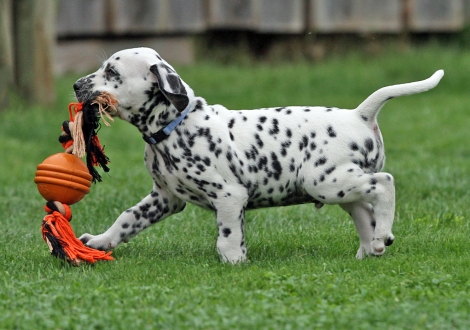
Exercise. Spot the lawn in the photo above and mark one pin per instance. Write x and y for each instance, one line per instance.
(302, 273)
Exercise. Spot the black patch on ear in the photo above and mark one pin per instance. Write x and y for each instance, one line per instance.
(175, 91)
(174, 82)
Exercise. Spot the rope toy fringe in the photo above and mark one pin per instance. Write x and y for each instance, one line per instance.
(59, 236)
(79, 137)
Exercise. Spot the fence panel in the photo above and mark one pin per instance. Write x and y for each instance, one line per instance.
(436, 15)
(126, 17)
(231, 14)
(81, 18)
(187, 16)
(157, 16)
(333, 16)
(280, 16)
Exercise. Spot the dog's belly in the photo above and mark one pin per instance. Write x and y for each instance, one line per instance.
(285, 200)
(257, 200)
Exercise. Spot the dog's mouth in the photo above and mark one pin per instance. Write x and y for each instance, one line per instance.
(104, 104)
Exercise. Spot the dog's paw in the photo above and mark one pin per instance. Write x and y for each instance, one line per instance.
(378, 244)
(98, 242)
(236, 260)
(232, 256)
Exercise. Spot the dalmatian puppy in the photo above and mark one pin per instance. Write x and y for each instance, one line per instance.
(231, 161)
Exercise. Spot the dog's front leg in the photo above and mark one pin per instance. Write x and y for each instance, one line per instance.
(152, 209)
(231, 220)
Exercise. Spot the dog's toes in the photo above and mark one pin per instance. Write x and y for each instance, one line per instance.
(377, 247)
(97, 242)
(85, 238)
(233, 259)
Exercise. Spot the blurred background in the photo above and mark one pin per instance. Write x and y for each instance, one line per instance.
(41, 39)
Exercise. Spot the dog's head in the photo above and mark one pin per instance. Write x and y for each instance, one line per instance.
(141, 81)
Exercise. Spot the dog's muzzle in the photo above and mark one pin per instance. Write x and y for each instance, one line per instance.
(83, 90)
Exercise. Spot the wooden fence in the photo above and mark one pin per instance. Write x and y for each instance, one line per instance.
(152, 17)
(29, 28)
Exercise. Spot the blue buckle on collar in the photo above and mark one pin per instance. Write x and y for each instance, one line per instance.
(165, 131)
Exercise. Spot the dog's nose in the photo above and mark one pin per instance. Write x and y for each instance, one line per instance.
(77, 86)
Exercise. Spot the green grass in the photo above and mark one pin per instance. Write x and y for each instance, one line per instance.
(302, 273)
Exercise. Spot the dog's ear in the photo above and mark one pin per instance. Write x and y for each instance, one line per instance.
(171, 85)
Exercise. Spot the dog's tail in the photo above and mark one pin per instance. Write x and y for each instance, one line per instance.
(372, 105)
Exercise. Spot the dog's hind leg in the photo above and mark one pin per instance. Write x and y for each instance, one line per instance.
(152, 209)
(375, 188)
(383, 200)
(362, 214)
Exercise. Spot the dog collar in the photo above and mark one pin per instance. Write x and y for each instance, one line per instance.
(165, 131)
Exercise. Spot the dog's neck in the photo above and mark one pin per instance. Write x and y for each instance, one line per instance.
(153, 115)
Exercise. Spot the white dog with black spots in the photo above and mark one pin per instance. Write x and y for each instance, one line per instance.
(231, 161)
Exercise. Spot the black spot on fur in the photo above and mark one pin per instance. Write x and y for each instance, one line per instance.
(275, 129)
(320, 161)
(288, 133)
(259, 142)
(330, 170)
(276, 165)
(303, 143)
(353, 146)
(331, 132)
(292, 167)
(369, 144)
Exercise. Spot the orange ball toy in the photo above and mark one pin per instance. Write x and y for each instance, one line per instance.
(64, 178)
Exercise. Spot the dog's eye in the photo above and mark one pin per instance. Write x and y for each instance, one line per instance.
(110, 72)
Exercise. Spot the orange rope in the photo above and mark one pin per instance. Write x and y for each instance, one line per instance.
(58, 225)
(75, 113)
(74, 107)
